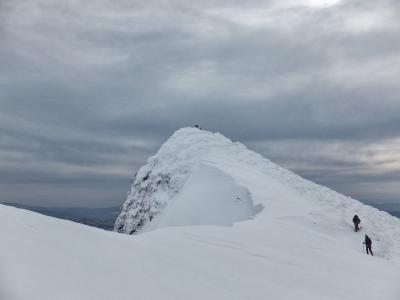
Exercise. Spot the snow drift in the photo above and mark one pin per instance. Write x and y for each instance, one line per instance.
(216, 221)
(209, 197)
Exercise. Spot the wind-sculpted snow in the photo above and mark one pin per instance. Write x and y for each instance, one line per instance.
(209, 197)
(160, 180)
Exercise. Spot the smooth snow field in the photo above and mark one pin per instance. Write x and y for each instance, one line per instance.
(238, 227)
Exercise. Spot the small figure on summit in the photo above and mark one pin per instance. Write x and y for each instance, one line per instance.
(197, 126)
(368, 245)
(356, 221)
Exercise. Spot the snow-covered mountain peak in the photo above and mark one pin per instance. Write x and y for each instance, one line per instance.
(182, 151)
(165, 174)
(264, 232)
(203, 178)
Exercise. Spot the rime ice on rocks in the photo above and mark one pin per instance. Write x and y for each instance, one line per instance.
(165, 174)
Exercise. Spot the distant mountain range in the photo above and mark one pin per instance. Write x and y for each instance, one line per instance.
(97, 217)
(391, 208)
(105, 217)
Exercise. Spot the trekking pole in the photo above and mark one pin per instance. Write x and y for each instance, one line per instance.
(363, 246)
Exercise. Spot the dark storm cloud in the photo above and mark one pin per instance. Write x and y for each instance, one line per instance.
(88, 90)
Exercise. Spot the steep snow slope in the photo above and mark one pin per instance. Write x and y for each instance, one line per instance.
(162, 183)
(300, 245)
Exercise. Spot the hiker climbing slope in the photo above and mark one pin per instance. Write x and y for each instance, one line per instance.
(356, 221)
(368, 245)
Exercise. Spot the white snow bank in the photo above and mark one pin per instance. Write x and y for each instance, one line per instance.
(209, 197)
(42, 258)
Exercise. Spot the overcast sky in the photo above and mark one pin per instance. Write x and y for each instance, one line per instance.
(90, 89)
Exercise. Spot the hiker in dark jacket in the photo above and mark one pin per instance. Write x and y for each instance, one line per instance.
(356, 221)
(368, 245)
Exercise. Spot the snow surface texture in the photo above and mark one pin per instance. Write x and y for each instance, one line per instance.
(282, 237)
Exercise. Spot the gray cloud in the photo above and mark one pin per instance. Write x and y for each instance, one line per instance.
(89, 90)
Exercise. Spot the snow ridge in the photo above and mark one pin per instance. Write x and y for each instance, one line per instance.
(161, 180)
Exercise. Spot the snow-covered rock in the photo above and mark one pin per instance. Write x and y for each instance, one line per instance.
(159, 182)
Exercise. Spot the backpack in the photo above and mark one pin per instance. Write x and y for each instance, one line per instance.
(356, 219)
